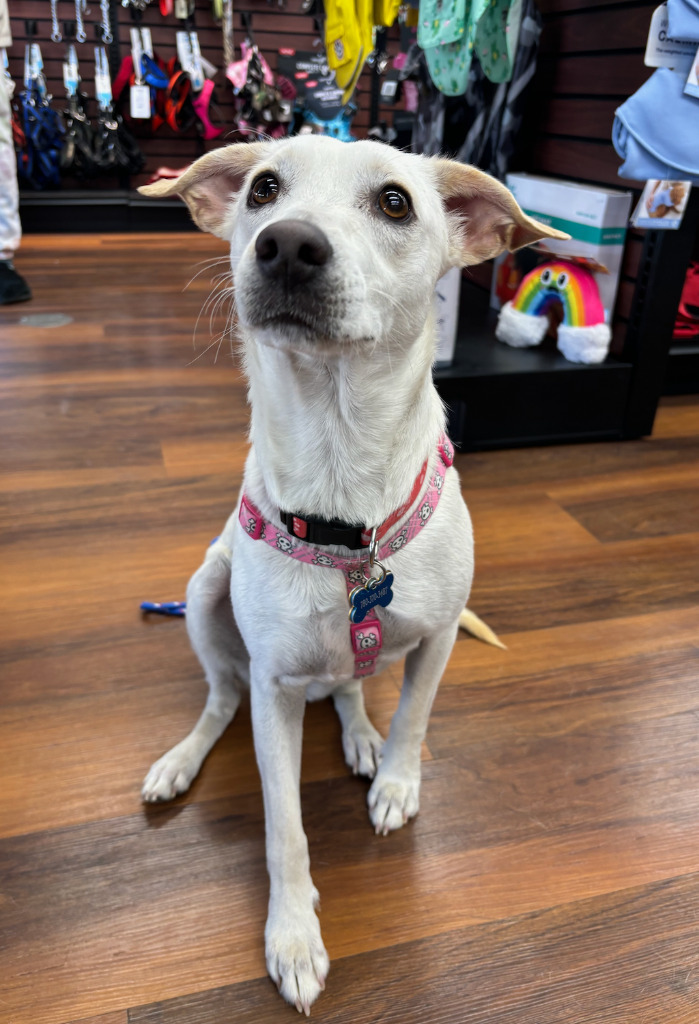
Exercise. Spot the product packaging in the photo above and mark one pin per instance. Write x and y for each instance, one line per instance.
(595, 218)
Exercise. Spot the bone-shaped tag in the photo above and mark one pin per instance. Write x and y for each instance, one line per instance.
(364, 598)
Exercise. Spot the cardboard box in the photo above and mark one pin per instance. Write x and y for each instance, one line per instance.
(596, 219)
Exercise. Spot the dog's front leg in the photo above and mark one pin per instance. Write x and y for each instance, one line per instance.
(296, 957)
(394, 796)
(361, 742)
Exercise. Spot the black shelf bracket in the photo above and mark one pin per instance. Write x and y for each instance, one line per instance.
(661, 273)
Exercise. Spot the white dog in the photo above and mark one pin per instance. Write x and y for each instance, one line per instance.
(335, 251)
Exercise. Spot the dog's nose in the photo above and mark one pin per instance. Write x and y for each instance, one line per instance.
(292, 250)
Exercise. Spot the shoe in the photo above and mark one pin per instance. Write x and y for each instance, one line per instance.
(13, 287)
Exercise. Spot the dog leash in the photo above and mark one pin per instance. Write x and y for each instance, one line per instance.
(365, 591)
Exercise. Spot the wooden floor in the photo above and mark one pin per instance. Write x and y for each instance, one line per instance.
(552, 876)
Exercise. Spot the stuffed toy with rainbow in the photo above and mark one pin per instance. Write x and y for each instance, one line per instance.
(583, 336)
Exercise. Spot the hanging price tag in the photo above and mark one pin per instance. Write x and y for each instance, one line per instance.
(147, 41)
(37, 60)
(662, 205)
(71, 76)
(197, 73)
(103, 84)
(209, 69)
(189, 56)
(139, 102)
(692, 85)
(663, 51)
(141, 42)
(8, 82)
(33, 68)
(389, 88)
(183, 9)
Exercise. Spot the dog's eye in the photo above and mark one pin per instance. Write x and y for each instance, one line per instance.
(394, 203)
(265, 189)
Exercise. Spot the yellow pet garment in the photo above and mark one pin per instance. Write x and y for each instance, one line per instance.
(348, 40)
(386, 12)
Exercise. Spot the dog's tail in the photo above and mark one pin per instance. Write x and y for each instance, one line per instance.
(470, 622)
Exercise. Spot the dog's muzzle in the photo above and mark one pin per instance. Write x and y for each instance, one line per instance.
(292, 252)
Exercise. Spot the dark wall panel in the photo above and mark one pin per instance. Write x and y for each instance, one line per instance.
(591, 60)
(597, 30)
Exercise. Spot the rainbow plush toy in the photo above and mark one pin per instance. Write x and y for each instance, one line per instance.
(583, 336)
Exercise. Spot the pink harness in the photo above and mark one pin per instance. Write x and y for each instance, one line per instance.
(365, 636)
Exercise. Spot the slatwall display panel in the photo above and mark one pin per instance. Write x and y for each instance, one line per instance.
(591, 60)
(274, 26)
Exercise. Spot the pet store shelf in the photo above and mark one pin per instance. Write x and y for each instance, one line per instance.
(100, 211)
(682, 375)
(500, 396)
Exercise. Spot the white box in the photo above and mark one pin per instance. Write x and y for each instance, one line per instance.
(447, 301)
(596, 219)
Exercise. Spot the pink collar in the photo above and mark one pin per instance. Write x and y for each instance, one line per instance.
(366, 635)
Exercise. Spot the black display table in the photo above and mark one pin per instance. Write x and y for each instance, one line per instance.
(500, 396)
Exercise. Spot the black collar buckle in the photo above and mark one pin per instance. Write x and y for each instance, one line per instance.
(314, 530)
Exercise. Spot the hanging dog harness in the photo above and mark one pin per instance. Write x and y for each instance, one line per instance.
(365, 591)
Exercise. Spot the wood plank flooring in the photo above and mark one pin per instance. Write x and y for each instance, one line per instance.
(553, 872)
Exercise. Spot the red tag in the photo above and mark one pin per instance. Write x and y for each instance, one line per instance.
(366, 638)
(300, 528)
(285, 52)
(311, 85)
(301, 74)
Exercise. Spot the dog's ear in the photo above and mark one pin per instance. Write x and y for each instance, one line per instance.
(208, 185)
(485, 217)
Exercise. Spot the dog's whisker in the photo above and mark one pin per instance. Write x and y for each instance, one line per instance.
(219, 288)
(226, 296)
(202, 312)
(208, 265)
(221, 337)
(203, 353)
(231, 324)
(218, 294)
(260, 136)
(385, 295)
(215, 341)
(225, 275)
(214, 302)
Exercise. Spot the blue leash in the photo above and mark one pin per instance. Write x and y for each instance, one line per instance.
(176, 608)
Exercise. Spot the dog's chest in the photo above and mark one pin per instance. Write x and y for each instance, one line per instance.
(294, 616)
(330, 662)
(297, 622)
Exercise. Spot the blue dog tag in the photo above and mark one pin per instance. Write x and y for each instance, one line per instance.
(366, 596)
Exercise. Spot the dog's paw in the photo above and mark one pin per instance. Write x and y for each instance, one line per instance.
(392, 802)
(296, 958)
(171, 775)
(363, 747)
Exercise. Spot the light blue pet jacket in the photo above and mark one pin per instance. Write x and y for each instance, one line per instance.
(683, 19)
(656, 131)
